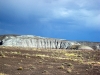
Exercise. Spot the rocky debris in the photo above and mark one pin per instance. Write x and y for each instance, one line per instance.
(83, 47)
(43, 42)
(97, 47)
(75, 47)
(94, 45)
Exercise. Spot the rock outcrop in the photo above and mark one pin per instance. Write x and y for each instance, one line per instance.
(42, 42)
(36, 42)
(93, 45)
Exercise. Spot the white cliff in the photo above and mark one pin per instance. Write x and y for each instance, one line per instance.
(36, 42)
(43, 42)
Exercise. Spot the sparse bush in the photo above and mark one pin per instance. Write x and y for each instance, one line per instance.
(40, 61)
(2, 54)
(61, 67)
(86, 69)
(2, 74)
(40, 56)
(27, 56)
(33, 67)
(45, 71)
(21, 60)
(69, 70)
(68, 64)
(81, 61)
(79, 55)
(20, 68)
(50, 66)
(19, 52)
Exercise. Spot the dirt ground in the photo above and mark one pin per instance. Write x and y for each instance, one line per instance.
(25, 61)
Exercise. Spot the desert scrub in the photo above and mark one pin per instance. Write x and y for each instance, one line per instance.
(50, 66)
(2, 74)
(70, 54)
(45, 71)
(26, 56)
(2, 54)
(69, 70)
(55, 60)
(79, 55)
(19, 52)
(33, 67)
(7, 65)
(41, 62)
(41, 56)
(56, 54)
(61, 67)
(21, 60)
(68, 64)
(20, 68)
(15, 52)
(80, 61)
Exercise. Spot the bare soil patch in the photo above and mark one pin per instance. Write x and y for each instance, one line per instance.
(16, 61)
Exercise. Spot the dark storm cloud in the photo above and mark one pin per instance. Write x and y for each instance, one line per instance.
(44, 17)
(32, 11)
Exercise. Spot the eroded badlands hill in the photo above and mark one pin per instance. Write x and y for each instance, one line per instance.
(42, 42)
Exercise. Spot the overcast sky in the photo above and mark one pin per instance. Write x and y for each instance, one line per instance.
(65, 19)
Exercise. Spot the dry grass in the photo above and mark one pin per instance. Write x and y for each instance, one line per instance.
(62, 61)
(3, 74)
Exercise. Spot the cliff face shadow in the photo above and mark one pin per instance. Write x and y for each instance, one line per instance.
(1, 42)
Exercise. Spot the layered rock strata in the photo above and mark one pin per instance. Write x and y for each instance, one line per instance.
(43, 42)
(36, 42)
